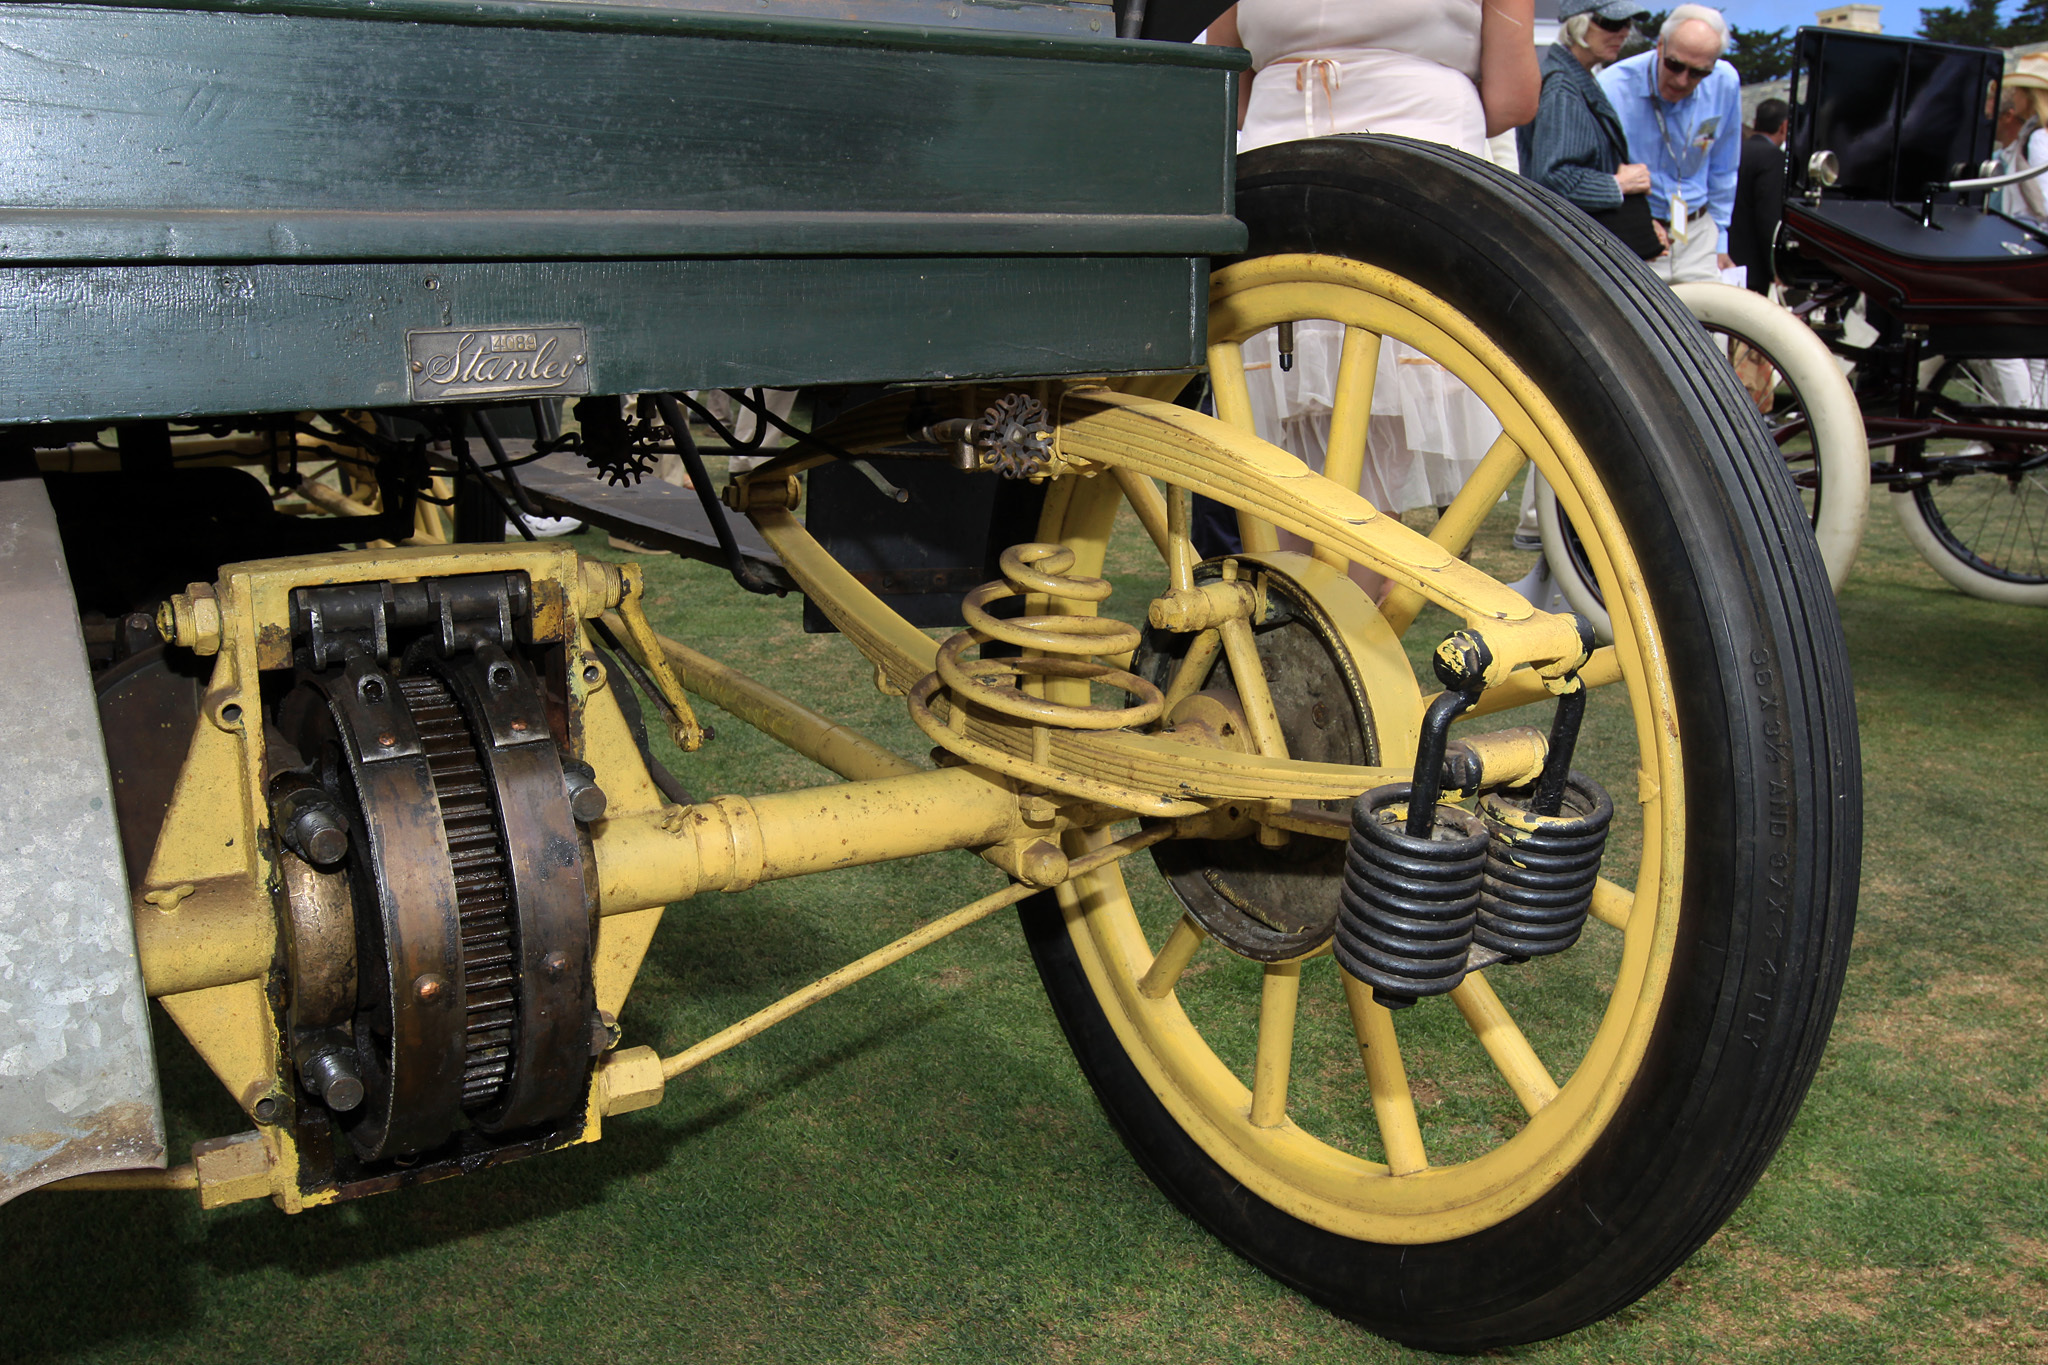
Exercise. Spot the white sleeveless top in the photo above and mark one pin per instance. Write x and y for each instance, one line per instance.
(1354, 66)
(1407, 67)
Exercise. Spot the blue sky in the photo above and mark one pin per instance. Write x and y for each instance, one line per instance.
(1898, 18)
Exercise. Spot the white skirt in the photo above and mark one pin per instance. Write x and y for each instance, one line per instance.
(1428, 431)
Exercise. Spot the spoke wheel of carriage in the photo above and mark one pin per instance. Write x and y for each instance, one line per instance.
(1551, 1140)
(1978, 512)
(1808, 409)
(1809, 412)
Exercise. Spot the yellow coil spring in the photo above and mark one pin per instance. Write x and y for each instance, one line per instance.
(1065, 648)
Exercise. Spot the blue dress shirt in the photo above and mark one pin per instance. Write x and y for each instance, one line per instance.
(1682, 157)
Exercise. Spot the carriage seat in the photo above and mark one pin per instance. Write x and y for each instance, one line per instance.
(1968, 266)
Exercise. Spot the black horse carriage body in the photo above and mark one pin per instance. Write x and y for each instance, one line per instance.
(296, 296)
(1888, 215)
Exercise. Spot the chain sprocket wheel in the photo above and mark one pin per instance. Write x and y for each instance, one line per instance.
(483, 887)
(1015, 437)
(474, 999)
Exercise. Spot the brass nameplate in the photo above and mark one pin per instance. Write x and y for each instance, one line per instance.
(467, 364)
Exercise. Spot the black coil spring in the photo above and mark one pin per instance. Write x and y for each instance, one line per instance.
(1406, 911)
(1540, 870)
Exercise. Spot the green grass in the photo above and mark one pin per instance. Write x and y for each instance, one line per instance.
(915, 1169)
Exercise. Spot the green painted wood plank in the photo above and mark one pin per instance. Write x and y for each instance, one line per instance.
(869, 27)
(128, 112)
(69, 235)
(98, 343)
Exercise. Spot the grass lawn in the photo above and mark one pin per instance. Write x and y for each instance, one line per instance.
(915, 1169)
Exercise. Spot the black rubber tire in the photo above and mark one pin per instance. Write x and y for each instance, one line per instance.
(1772, 779)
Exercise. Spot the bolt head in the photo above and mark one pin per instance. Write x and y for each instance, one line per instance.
(554, 964)
(327, 845)
(430, 987)
(587, 802)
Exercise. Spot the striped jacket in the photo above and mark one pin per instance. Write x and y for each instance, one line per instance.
(1575, 144)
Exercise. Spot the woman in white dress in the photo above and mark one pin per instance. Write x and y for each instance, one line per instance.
(1449, 71)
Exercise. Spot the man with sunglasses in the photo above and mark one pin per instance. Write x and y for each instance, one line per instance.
(1681, 108)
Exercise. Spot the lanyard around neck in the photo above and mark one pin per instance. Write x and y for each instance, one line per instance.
(1678, 159)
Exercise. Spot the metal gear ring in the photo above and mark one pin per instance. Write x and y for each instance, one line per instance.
(1014, 437)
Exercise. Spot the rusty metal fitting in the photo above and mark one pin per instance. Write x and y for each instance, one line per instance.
(599, 586)
(1204, 607)
(1503, 758)
(1562, 676)
(586, 798)
(1465, 662)
(1213, 720)
(758, 493)
(191, 619)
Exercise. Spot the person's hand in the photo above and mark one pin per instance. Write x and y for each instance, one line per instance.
(1725, 261)
(1663, 236)
(1633, 179)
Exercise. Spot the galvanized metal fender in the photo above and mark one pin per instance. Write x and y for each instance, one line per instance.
(78, 1089)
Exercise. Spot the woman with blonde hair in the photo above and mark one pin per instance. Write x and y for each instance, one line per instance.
(1576, 147)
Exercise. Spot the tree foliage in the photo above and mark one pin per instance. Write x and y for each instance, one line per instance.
(1977, 22)
(1762, 54)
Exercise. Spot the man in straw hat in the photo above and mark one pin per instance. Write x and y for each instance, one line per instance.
(2022, 142)
(2023, 136)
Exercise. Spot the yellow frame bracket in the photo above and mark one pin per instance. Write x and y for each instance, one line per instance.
(687, 732)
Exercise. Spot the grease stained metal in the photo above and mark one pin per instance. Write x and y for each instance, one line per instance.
(78, 1086)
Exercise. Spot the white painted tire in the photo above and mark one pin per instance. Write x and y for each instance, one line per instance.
(1841, 450)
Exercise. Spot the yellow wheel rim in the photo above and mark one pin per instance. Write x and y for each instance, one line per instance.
(1406, 1197)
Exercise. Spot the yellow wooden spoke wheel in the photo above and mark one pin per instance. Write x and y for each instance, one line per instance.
(1551, 1141)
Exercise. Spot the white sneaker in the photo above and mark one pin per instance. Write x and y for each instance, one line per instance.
(546, 528)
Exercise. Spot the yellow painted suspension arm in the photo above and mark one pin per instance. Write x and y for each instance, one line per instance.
(1183, 775)
(1190, 450)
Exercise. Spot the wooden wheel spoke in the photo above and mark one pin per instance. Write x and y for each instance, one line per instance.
(1234, 405)
(1171, 960)
(1150, 505)
(1248, 672)
(1180, 544)
(1512, 1056)
(1613, 904)
(1393, 1106)
(1350, 418)
(1454, 530)
(1279, 999)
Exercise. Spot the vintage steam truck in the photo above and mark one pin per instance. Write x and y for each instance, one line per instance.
(368, 807)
